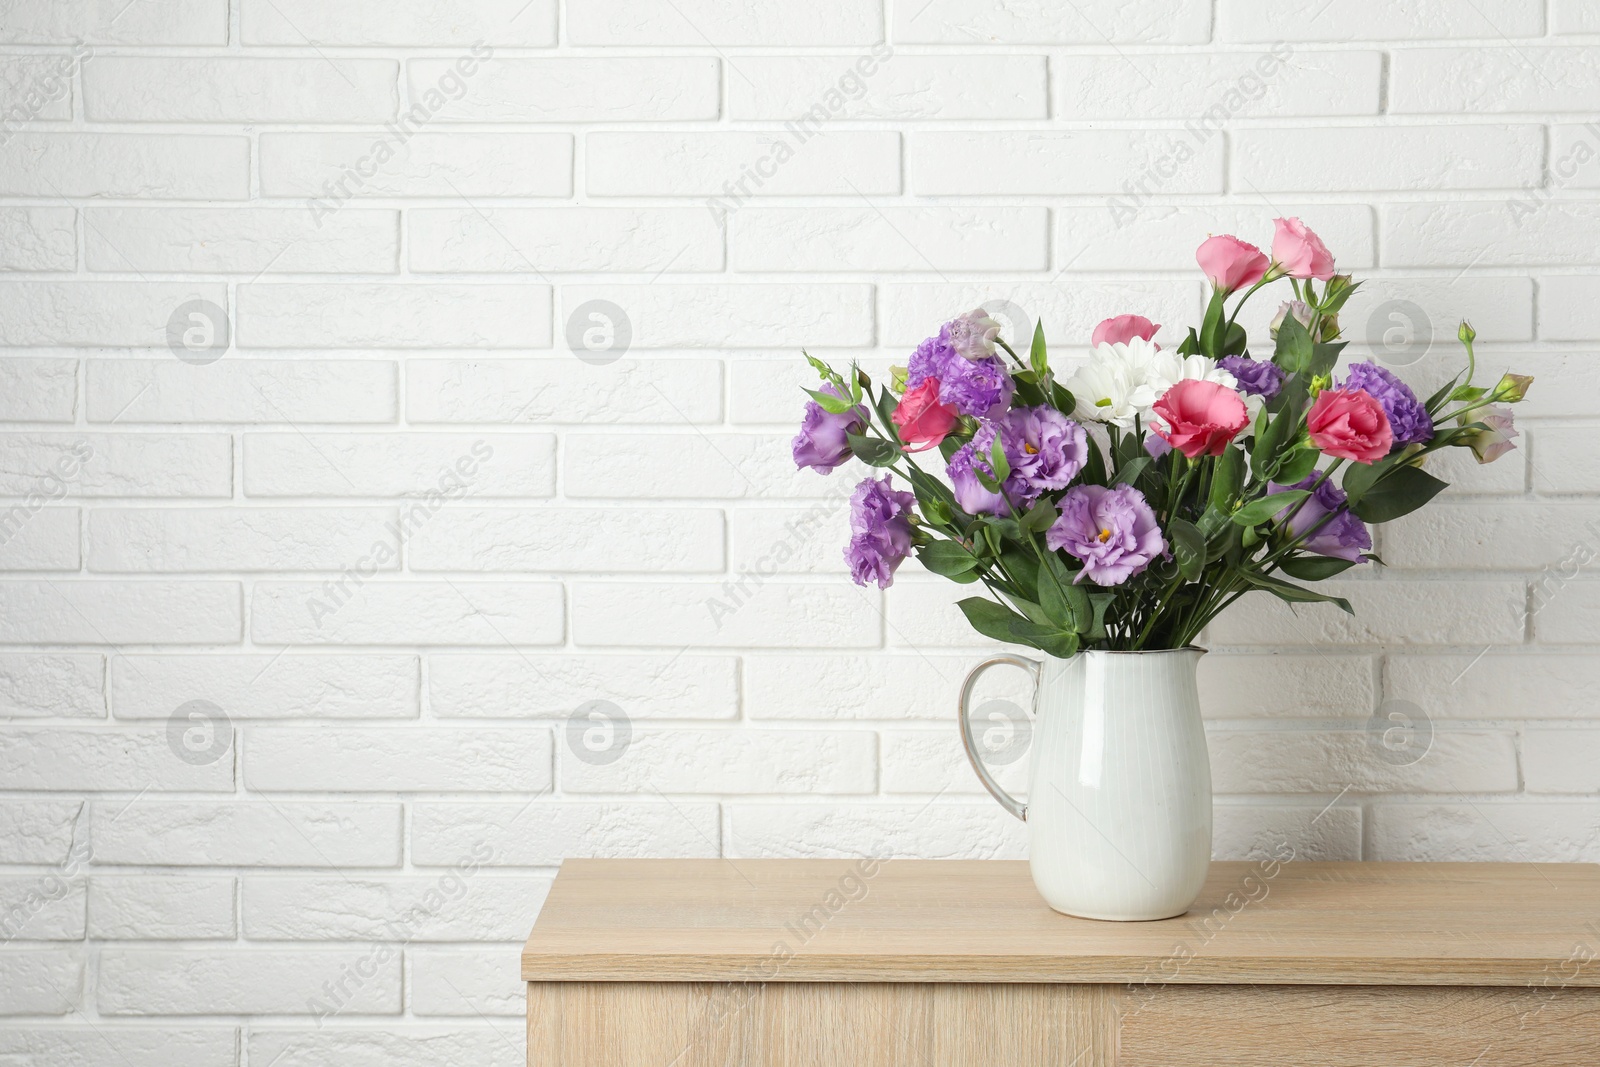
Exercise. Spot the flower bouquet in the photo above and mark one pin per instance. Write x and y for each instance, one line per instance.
(1122, 506)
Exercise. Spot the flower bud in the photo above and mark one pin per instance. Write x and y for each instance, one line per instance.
(1512, 387)
(1297, 308)
(1466, 333)
(1494, 441)
(897, 379)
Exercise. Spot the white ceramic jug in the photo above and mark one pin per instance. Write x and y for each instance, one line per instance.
(1119, 784)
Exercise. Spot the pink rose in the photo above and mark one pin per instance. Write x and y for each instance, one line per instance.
(1231, 263)
(1300, 252)
(922, 421)
(1201, 417)
(1121, 329)
(1350, 424)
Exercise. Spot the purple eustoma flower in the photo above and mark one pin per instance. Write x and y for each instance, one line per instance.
(1113, 531)
(1407, 417)
(821, 443)
(970, 494)
(1344, 536)
(978, 387)
(880, 525)
(1257, 377)
(1044, 449)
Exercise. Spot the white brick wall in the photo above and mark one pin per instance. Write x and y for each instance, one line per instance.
(292, 628)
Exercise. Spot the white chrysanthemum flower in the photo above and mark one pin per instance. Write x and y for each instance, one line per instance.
(1114, 386)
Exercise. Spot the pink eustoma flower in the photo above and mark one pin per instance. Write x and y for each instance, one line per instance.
(1300, 252)
(1350, 424)
(1201, 417)
(1120, 329)
(922, 421)
(1231, 263)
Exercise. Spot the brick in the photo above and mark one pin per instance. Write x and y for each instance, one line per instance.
(247, 834)
(1561, 761)
(40, 982)
(437, 468)
(189, 89)
(1521, 832)
(570, 539)
(37, 88)
(736, 316)
(481, 981)
(898, 87)
(147, 166)
(919, 830)
(542, 833)
(1282, 685)
(697, 23)
(44, 906)
(1571, 165)
(1563, 457)
(1328, 761)
(121, 465)
(242, 391)
(93, 314)
(407, 613)
(1524, 684)
(463, 904)
(1467, 477)
(1096, 22)
(38, 238)
(1069, 312)
(39, 831)
(563, 390)
(766, 391)
(1165, 236)
(54, 685)
(877, 686)
(1568, 309)
(1314, 832)
(1426, 310)
(68, 21)
(552, 240)
(923, 615)
(516, 686)
(296, 315)
(132, 760)
(741, 761)
(933, 762)
(1079, 162)
(136, 907)
(1521, 536)
(241, 240)
(247, 981)
(83, 1046)
(1515, 233)
(1484, 80)
(352, 759)
(112, 613)
(1565, 612)
(38, 390)
(1309, 20)
(47, 540)
(431, 23)
(282, 686)
(1211, 88)
(1453, 612)
(456, 1046)
(635, 89)
(330, 168)
(1574, 16)
(151, 540)
(1404, 158)
(792, 540)
(705, 615)
(730, 167)
(913, 240)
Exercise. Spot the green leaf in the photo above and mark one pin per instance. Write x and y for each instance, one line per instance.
(1063, 601)
(1227, 478)
(934, 497)
(1269, 442)
(990, 619)
(1293, 594)
(1294, 352)
(1037, 359)
(1400, 492)
(1098, 603)
(1188, 547)
(1235, 342)
(1325, 355)
(1131, 469)
(873, 451)
(1039, 517)
(1260, 510)
(946, 558)
(997, 460)
(828, 402)
(1211, 328)
(1190, 345)
(1062, 644)
(1297, 464)
(885, 403)
(1314, 568)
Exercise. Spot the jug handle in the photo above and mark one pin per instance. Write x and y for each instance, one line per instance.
(968, 742)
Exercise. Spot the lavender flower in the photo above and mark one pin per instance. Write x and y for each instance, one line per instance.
(880, 524)
(1344, 536)
(1044, 449)
(1257, 377)
(979, 387)
(970, 494)
(1407, 417)
(821, 443)
(1113, 531)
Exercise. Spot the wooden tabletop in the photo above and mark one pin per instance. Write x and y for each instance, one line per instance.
(1292, 923)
